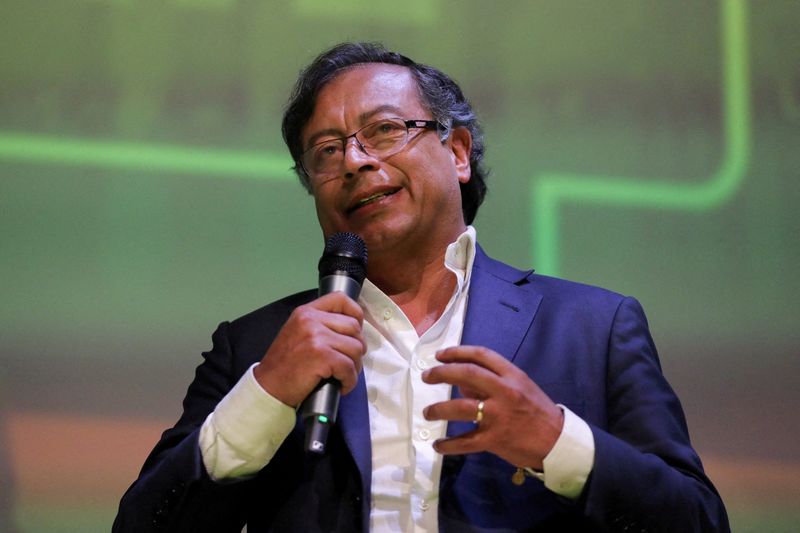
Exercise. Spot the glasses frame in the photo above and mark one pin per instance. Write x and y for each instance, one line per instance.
(409, 125)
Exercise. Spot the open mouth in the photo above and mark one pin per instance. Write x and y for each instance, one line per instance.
(370, 199)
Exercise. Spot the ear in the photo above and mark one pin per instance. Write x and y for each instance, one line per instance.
(460, 143)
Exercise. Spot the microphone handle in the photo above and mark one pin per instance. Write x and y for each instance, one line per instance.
(319, 410)
(319, 413)
(340, 283)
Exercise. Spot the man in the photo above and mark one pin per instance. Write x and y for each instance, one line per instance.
(476, 397)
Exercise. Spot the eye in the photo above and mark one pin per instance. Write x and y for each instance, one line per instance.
(383, 129)
(327, 150)
(388, 127)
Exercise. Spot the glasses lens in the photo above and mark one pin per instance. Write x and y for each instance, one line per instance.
(379, 139)
(323, 158)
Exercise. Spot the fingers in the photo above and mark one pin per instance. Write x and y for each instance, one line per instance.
(342, 361)
(477, 371)
(463, 409)
(519, 422)
(338, 303)
(479, 355)
(469, 442)
(479, 381)
(341, 315)
(330, 331)
(321, 339)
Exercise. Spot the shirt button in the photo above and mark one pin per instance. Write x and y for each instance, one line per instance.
(424, 505)
(422, 364)
(387, 314)
(424, 434)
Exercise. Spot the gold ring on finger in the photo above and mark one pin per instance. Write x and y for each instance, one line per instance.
(479, 414)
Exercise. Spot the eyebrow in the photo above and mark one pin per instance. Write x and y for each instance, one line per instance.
(362, 119)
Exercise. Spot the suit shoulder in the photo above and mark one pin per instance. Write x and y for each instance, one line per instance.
(585, 305)
(580, 297)
(276, 312)
(549, 284)
(553, 289)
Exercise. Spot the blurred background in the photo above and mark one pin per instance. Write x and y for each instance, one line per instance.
(646, 146)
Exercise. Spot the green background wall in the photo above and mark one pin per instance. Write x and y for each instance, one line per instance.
(650, 147)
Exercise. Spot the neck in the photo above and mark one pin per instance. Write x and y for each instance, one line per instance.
(420, 285)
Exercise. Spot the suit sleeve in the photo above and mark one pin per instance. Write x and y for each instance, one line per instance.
(646, 475)
(173, 491)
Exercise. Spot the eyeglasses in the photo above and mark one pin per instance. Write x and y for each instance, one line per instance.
(379, 139)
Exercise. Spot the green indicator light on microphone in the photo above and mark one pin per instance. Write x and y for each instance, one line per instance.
(323, 419)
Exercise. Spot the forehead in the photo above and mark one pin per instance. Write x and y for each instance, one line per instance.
(361, 93)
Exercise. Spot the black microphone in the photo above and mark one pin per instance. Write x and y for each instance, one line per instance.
(342, 268)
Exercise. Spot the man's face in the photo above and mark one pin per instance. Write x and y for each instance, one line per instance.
(415, 200)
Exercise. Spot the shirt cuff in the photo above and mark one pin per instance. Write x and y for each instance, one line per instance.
(569, 463)
(244, 431)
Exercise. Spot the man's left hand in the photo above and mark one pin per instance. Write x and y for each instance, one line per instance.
(520, 423)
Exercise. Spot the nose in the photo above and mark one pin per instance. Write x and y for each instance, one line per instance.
(357, 159)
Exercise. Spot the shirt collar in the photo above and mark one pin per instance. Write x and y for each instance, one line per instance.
(458, 258)
(460, 255)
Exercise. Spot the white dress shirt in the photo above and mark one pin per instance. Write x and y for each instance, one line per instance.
(405, 467)
(248, 426)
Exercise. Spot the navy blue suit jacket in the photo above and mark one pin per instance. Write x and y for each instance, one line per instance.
(587, 348)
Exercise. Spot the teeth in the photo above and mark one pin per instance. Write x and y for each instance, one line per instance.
(371, 198)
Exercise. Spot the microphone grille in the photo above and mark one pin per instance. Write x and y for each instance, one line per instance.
(345, 253)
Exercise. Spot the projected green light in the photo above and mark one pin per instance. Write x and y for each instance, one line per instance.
(550, 191)
(147, 157)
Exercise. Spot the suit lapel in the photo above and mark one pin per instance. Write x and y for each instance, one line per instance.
(500, 311)
(353, 422)
(501, 307)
